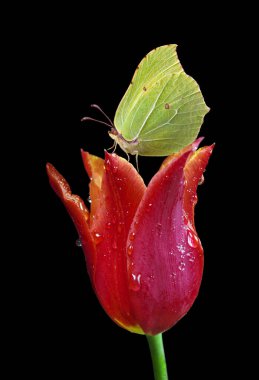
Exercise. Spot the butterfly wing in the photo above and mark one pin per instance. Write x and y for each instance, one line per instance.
(163, 107)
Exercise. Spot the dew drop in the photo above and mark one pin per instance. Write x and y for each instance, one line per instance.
(191, 258)
(194, 199)
(114, 169)
(193, 239)
(173, 276)
(135, 282)
(108, 225)
(130, 249)
(78, 243)
(181, 248)
(97, 238)
(89, 199)
(119, 227)
(132, 236)
(201, 180)
(181, 267)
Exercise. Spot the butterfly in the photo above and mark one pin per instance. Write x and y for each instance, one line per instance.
(162, 110)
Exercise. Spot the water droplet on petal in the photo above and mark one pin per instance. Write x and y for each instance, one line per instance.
(181, 248)
(119, 227)
(89, 199)
(107, 166)
(108, 225)
(173, 276)
(130, 249)
(78, 243)
(193, 239)
(135, 282)
(181, 267)
(150, 205)
(97, 238)
(132, 236)
(191, 257)
(114, 169)
(201, 180)
(194, 199)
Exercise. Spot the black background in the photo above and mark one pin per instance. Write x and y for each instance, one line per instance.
(65, 60)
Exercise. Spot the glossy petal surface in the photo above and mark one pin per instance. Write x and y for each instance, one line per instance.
(112, 211)
(166, 264)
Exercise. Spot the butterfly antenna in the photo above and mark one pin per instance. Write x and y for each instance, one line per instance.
(104, 114)
(97, 121)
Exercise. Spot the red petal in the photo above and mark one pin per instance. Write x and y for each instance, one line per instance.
(95, 170)
(78, 212)
(166, 262)
(191, 147)
(193, 170)
(120, 192)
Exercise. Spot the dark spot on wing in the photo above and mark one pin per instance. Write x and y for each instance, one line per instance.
(167, 106)
(144, 88)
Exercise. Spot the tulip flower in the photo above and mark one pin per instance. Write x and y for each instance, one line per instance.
(142, 251)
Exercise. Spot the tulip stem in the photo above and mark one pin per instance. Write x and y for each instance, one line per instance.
(158, 356)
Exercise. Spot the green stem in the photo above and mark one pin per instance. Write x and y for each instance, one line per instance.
(158, 356)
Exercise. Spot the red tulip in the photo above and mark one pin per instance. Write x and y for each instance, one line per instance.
(142, 251)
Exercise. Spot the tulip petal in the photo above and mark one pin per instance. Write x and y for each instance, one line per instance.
(117, 191)
(78, 212)
(191, 147)
(193, 170)
(166, 262)
(95, 170)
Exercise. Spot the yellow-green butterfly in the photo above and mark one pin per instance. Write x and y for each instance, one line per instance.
(162, 110)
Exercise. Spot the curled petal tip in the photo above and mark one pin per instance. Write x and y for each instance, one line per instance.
(57, 181)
